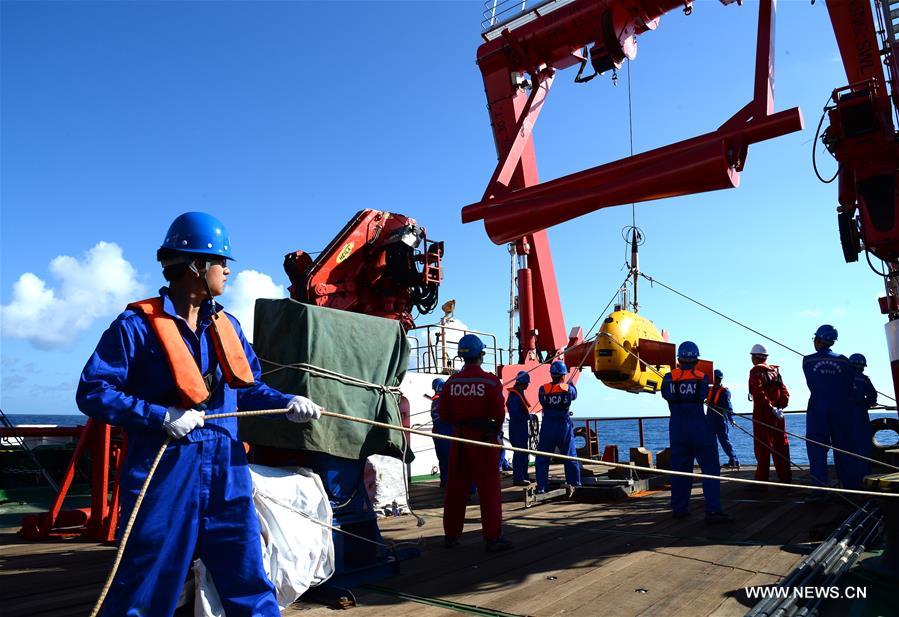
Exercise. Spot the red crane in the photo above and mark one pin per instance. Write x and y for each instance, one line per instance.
(862, 137)
(519, 62)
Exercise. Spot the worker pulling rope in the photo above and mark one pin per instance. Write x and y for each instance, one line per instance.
(471, 442)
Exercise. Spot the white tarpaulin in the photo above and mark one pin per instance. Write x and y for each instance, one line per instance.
(297, 553)
(386, 485)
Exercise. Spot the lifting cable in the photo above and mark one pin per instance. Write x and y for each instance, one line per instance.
(653, 281)
(759, 422)
(471, 442)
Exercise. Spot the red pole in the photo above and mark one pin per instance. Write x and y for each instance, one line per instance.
(640, 425)
(527, 340)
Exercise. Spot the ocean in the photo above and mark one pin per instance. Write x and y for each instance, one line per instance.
(623, 433)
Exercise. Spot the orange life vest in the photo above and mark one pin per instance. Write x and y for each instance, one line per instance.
(191, 386)
(679, 374)
(715, 394)
(524, 399)
(554, 388)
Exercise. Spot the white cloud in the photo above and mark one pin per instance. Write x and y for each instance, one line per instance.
(810, 313)
(838, 312)
(242, 292)
(98, 285)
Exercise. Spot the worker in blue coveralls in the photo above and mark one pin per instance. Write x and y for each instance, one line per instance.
(828, 419)
(439, 427)
(863, 398)
(557, 429)
(162, 365)
(519, 414)
(686, 389)
(720, 416)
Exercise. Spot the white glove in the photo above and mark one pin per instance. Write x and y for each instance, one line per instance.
(179, 422)
(303, 410)
(778, 412)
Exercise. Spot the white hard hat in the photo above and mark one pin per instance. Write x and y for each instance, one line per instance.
(759, 350)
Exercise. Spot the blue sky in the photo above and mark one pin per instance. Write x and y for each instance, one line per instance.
(285, 118)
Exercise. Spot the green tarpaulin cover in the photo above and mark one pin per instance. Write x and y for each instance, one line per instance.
(369, 348)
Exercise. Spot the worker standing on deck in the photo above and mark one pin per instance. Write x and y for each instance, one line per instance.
(472, 403)
(159, 368)
(439, 427)
(828, 420)
(769, 396)
(720, 416)
(863, 397)
(686, 390)
(519, 415)
(557, 429)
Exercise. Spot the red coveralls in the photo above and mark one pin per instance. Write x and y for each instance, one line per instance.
(769, 443)
(472, 402)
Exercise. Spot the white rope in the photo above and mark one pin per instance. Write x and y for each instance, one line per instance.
(329, 374)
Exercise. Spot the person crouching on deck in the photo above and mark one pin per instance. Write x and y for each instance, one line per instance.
(162, 365)
(472, 402)
(686, 390)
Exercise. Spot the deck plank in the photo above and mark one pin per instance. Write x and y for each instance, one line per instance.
(569, 559)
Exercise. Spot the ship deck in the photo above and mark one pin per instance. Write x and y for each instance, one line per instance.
(570, 558)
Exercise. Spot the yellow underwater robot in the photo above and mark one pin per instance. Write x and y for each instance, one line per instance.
(631, 354)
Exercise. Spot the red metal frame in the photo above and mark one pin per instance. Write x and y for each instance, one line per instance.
(100, 520)
(517, 208)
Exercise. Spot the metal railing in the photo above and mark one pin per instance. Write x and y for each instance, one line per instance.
(593, 432)
(435, 350)
(502, 13)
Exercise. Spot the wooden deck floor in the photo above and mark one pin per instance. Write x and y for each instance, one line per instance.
(623, 558)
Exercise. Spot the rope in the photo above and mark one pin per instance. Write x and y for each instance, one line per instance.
(472, 442)
(329, 374)
(732, 320)
(127, 532)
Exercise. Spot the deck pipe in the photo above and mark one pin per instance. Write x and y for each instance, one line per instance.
(809, 564)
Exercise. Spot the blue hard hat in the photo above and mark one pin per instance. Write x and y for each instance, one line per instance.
(523, 377)
(688, 351)
(858, 359)
(437, 384)
(558, 368)
(826, 333)
(198, 233)
(718, 374)
(470, 347)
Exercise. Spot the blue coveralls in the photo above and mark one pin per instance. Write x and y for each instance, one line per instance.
(441, 446)
(863, 397)
(199, 502)
(686, 391)
(557, 430)
(829, 416)
(719, 424)
(519, 415)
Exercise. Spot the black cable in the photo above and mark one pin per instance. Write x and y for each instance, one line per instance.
(720, 314)
(815, 143)
(871, 265)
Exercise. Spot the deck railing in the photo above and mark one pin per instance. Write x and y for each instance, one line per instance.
(593, 428)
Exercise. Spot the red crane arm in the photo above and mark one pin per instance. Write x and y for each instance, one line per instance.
(518, 65)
